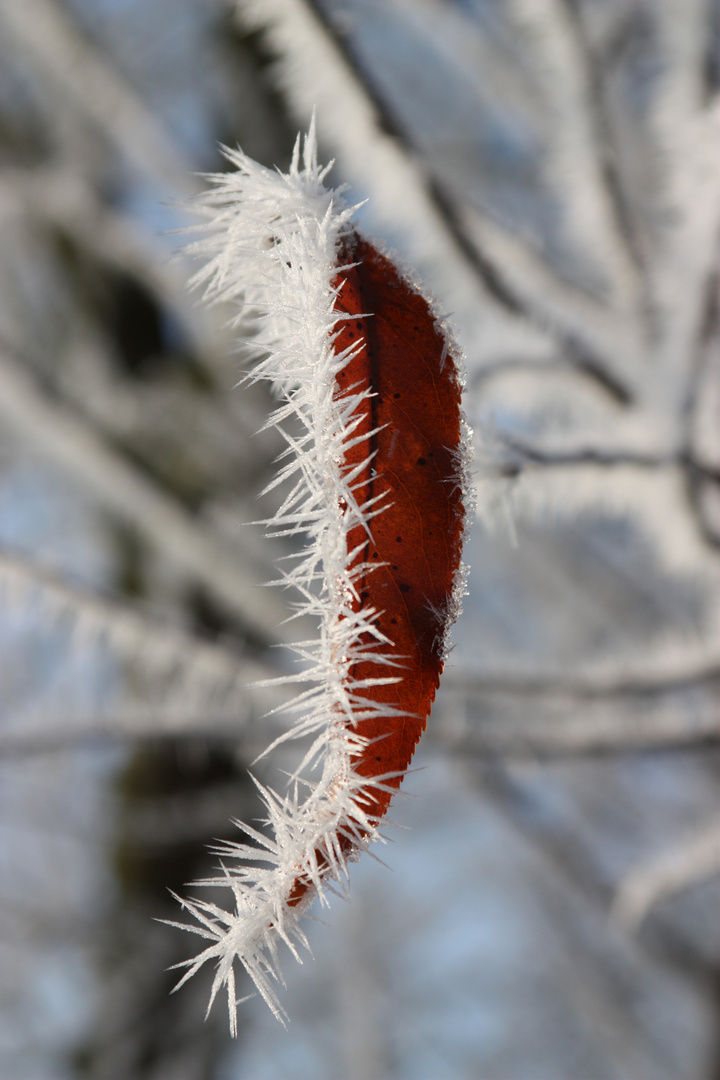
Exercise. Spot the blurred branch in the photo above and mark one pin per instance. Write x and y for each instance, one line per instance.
(599, 989)
(701, 479)
(130, 631)
(46, 31)
(231, 577)
(681, 867)
(522, 454)
(597, 55)
(465, 242)
(554, 726)
(600, 341)
(209, 683)
(555, 729)
(315, 71)
(58, 195)
(571, 860)
(577, 145)
(688, 135)
(583, 686)
(38, 734)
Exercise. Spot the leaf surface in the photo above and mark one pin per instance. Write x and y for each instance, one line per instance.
(417, 539)
(412, 432)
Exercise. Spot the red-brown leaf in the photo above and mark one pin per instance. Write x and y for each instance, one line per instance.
(416, 542)
(416, 404)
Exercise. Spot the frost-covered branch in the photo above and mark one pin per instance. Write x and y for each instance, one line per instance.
(563, 852)
(121, 487)
(466, 242)
(44, 30)
(683, 866)
(314, 72)
(205, 680)
(59, 196)
(559, 63)
(501, 723)
(591, 332)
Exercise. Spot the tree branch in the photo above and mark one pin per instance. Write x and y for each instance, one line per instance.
(677, 869)
(45, 31)
(231, 576)
(315, 70)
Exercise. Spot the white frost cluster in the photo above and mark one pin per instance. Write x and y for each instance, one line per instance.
(272, 242)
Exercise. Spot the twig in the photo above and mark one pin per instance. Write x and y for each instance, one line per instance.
(61, 197)
(576, 144)
(207, 669)
(677, 869)
(69, 442)
(578, 873)
(603, 343)
(315, 71)
(495, 725)
(45, 31)
(583, 686)
(509, 271)
(686, 129)
(40, 734)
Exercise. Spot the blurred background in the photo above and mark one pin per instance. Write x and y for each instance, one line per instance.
(550, 907)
